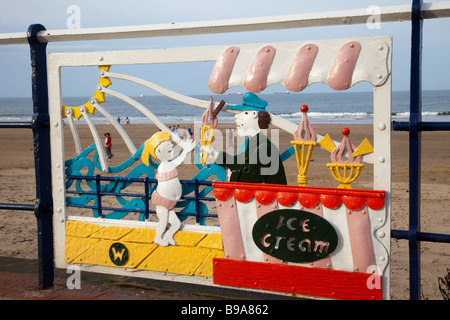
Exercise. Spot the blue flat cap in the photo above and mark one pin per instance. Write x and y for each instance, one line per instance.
(250, 102)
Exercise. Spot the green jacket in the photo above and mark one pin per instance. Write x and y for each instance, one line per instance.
(259, 163)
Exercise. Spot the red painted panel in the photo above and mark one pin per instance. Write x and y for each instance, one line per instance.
(223, 194)
(331, 201)
(309, 197)
(375, 203)
(294, 279)
(286, 199)
(309, 200)
(354, 203)
(264, 197)
(243, 195)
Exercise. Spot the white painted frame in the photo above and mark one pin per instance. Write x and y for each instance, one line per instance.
(380, 78)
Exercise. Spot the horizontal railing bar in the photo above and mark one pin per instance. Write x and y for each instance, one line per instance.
(131, 195)
(329, 18)
(101, 178)
(193, 214)
(17, 206)
(107, 208)
(119, 179)
(93, 193)
(197, 214)
(106, 193)
(422, 126)
(199, 198)
(421, 236)
(199, 182)
(16, 124)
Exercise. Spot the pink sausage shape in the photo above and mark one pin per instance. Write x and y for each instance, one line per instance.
(256, 78)
(231, 230)
(341, 73)
(297, 75)
(220, 75)
(360, 241)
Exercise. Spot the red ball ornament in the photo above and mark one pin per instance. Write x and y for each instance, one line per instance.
(304, 108)
(346, 131)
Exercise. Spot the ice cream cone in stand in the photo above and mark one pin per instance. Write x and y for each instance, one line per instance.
(303, 143)
(207, 132)
(345, 171)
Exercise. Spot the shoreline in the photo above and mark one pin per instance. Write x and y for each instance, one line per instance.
(18, 230)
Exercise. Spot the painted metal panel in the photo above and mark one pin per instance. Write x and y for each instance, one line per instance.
(250, 205)
(315, 282)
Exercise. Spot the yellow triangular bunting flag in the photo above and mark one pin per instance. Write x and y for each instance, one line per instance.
(326, 143)
(364, 148)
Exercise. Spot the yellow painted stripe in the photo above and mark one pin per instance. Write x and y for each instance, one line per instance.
(112, 233)
(206, 268)
(74, 246)
(175, 259)
(213, 241)
(89, 243)
(188, 238)
(144, 235)
(81, 229)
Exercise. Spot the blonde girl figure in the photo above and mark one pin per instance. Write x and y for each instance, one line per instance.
(168, 190)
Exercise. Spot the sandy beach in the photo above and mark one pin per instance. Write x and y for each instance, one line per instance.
(18, 235)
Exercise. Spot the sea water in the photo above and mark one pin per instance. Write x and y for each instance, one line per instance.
(330, 107)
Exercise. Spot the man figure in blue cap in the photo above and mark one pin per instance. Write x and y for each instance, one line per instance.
(258, 159)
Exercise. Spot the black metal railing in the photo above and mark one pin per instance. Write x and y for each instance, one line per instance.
(415, 126)
(146, 196)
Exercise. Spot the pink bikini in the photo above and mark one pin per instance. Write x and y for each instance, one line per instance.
(156, 198)
(167, 175)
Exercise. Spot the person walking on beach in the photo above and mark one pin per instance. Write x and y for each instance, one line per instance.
(128, 120)
(108, 144)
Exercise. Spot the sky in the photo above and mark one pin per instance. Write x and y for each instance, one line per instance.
(192, 79)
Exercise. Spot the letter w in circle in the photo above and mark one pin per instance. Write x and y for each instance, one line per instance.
(118, 254)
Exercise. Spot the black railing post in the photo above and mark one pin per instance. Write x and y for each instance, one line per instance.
(42, 161)
(99, 196)
(415, 136)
